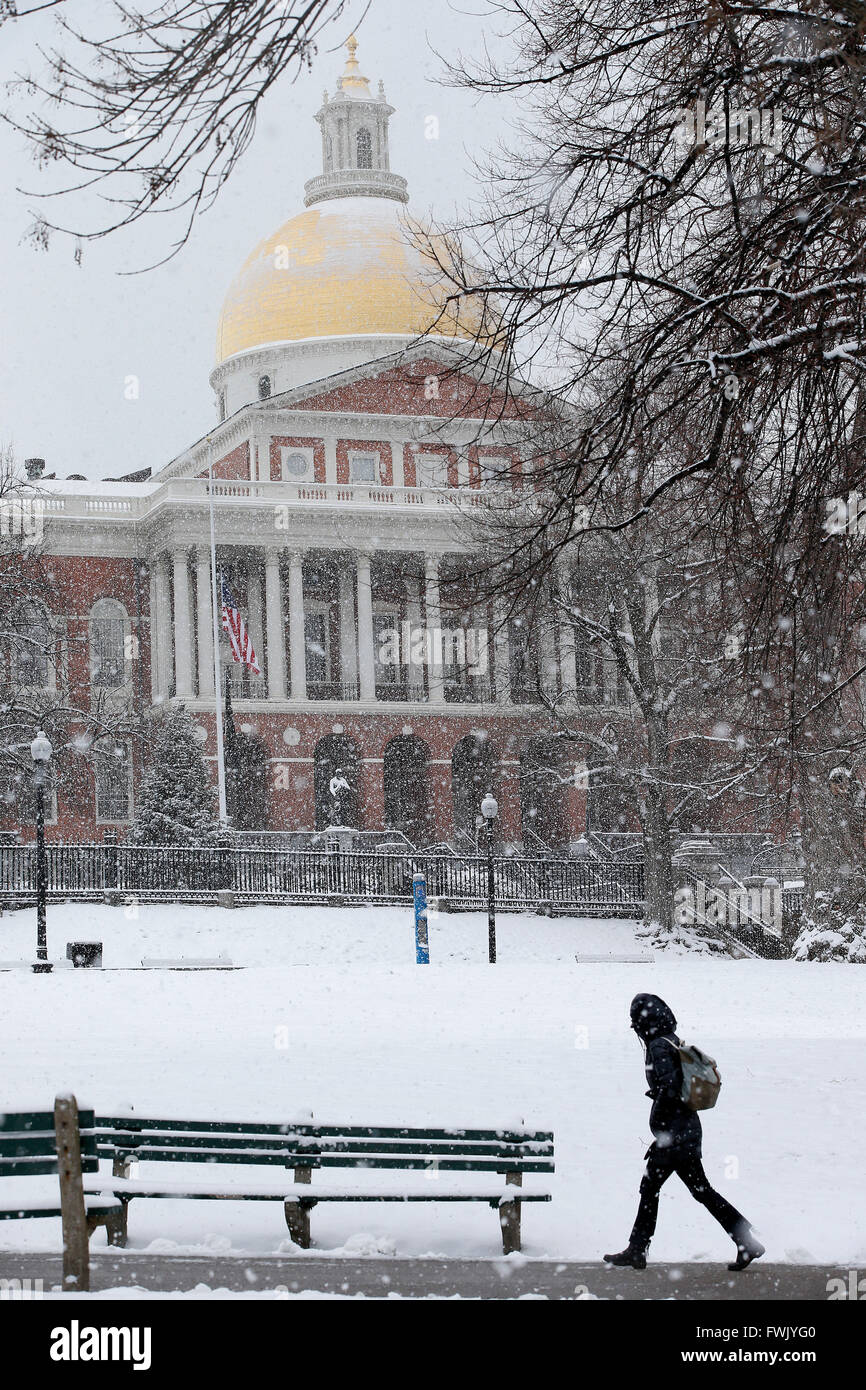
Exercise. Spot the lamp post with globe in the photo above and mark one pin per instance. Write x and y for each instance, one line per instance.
(40, 752)
(490, 810)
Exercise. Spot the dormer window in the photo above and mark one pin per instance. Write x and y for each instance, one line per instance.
(364, 143)
(264, 387)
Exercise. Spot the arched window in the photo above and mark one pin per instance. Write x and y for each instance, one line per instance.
(407, 803)
(329, 152)
(543, 804)
(471, 777)
(343, 805)
(247, 783)
(109, 625)
(264, 387)
(364, 146)
(112, 784)
(30, 647)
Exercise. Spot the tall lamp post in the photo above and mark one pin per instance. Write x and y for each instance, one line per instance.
(490, 810)
(40, 752)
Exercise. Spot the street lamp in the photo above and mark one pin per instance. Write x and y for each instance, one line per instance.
(490, 810)
(40, 752)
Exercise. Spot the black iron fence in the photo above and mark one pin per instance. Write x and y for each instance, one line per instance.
(258, 874)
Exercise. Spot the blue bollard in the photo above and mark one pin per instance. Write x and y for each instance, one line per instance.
(419, 894)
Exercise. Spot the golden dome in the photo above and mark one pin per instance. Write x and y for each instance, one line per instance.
(344, 267)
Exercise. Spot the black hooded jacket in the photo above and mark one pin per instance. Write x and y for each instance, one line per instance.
(671, 1120)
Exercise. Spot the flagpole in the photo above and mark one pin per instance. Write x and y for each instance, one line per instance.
(221, 766)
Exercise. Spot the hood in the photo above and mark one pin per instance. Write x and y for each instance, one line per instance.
(651, 1017)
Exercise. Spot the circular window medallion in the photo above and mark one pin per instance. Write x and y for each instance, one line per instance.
(295, 465)
(291, 736)
(200, 733)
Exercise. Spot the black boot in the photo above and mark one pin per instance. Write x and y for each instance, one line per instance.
(629, 1258)
(748, 1247)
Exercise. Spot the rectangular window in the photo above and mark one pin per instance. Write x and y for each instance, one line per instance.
(389, 671)
(112, 784)
(586, 665)
(524, 667)
(431, 470)
(363, 468)
(317, 631)
(495, 472)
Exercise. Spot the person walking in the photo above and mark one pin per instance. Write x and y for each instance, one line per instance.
(677, 1134)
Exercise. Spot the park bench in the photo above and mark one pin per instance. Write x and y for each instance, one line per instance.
(307, 1147)
(61, 1142)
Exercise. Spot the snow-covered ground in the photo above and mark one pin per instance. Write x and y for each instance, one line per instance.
(331, 1016)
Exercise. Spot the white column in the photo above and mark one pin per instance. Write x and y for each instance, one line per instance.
(182, 626)
(348, 636)
(415, 671)
(330, 459)
(397, 463)
(502, 648)
(567, 648)
(165, 656)
(261, 456)
(276, 634)
(484, 654)
(154, 643)
(436, 683)
(366, 655)
(297, 645)
(204, 621)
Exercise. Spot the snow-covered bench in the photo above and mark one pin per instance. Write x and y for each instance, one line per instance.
(34, 1143)
(304, 1148)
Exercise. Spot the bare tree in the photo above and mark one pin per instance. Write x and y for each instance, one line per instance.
(153, 111)
(673, 241)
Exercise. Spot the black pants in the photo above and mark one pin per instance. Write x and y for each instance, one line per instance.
(686, 1163)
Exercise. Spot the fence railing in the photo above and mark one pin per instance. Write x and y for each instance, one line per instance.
(254, 873)
(758, 915)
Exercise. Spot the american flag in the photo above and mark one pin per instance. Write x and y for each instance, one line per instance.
(233, 624)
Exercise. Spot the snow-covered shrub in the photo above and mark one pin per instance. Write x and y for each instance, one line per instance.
(680, 938)
(836, 930)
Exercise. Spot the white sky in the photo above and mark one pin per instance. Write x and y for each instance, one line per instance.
(70, 335)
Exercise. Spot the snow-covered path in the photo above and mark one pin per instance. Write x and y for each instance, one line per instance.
(331, 1015)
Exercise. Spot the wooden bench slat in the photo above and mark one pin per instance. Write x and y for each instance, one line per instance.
(13, 1146)
(19, 1168)
(407, 1161)
(308, 1150)
(27, 1120)
(129, 1188)
(505, 1136)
